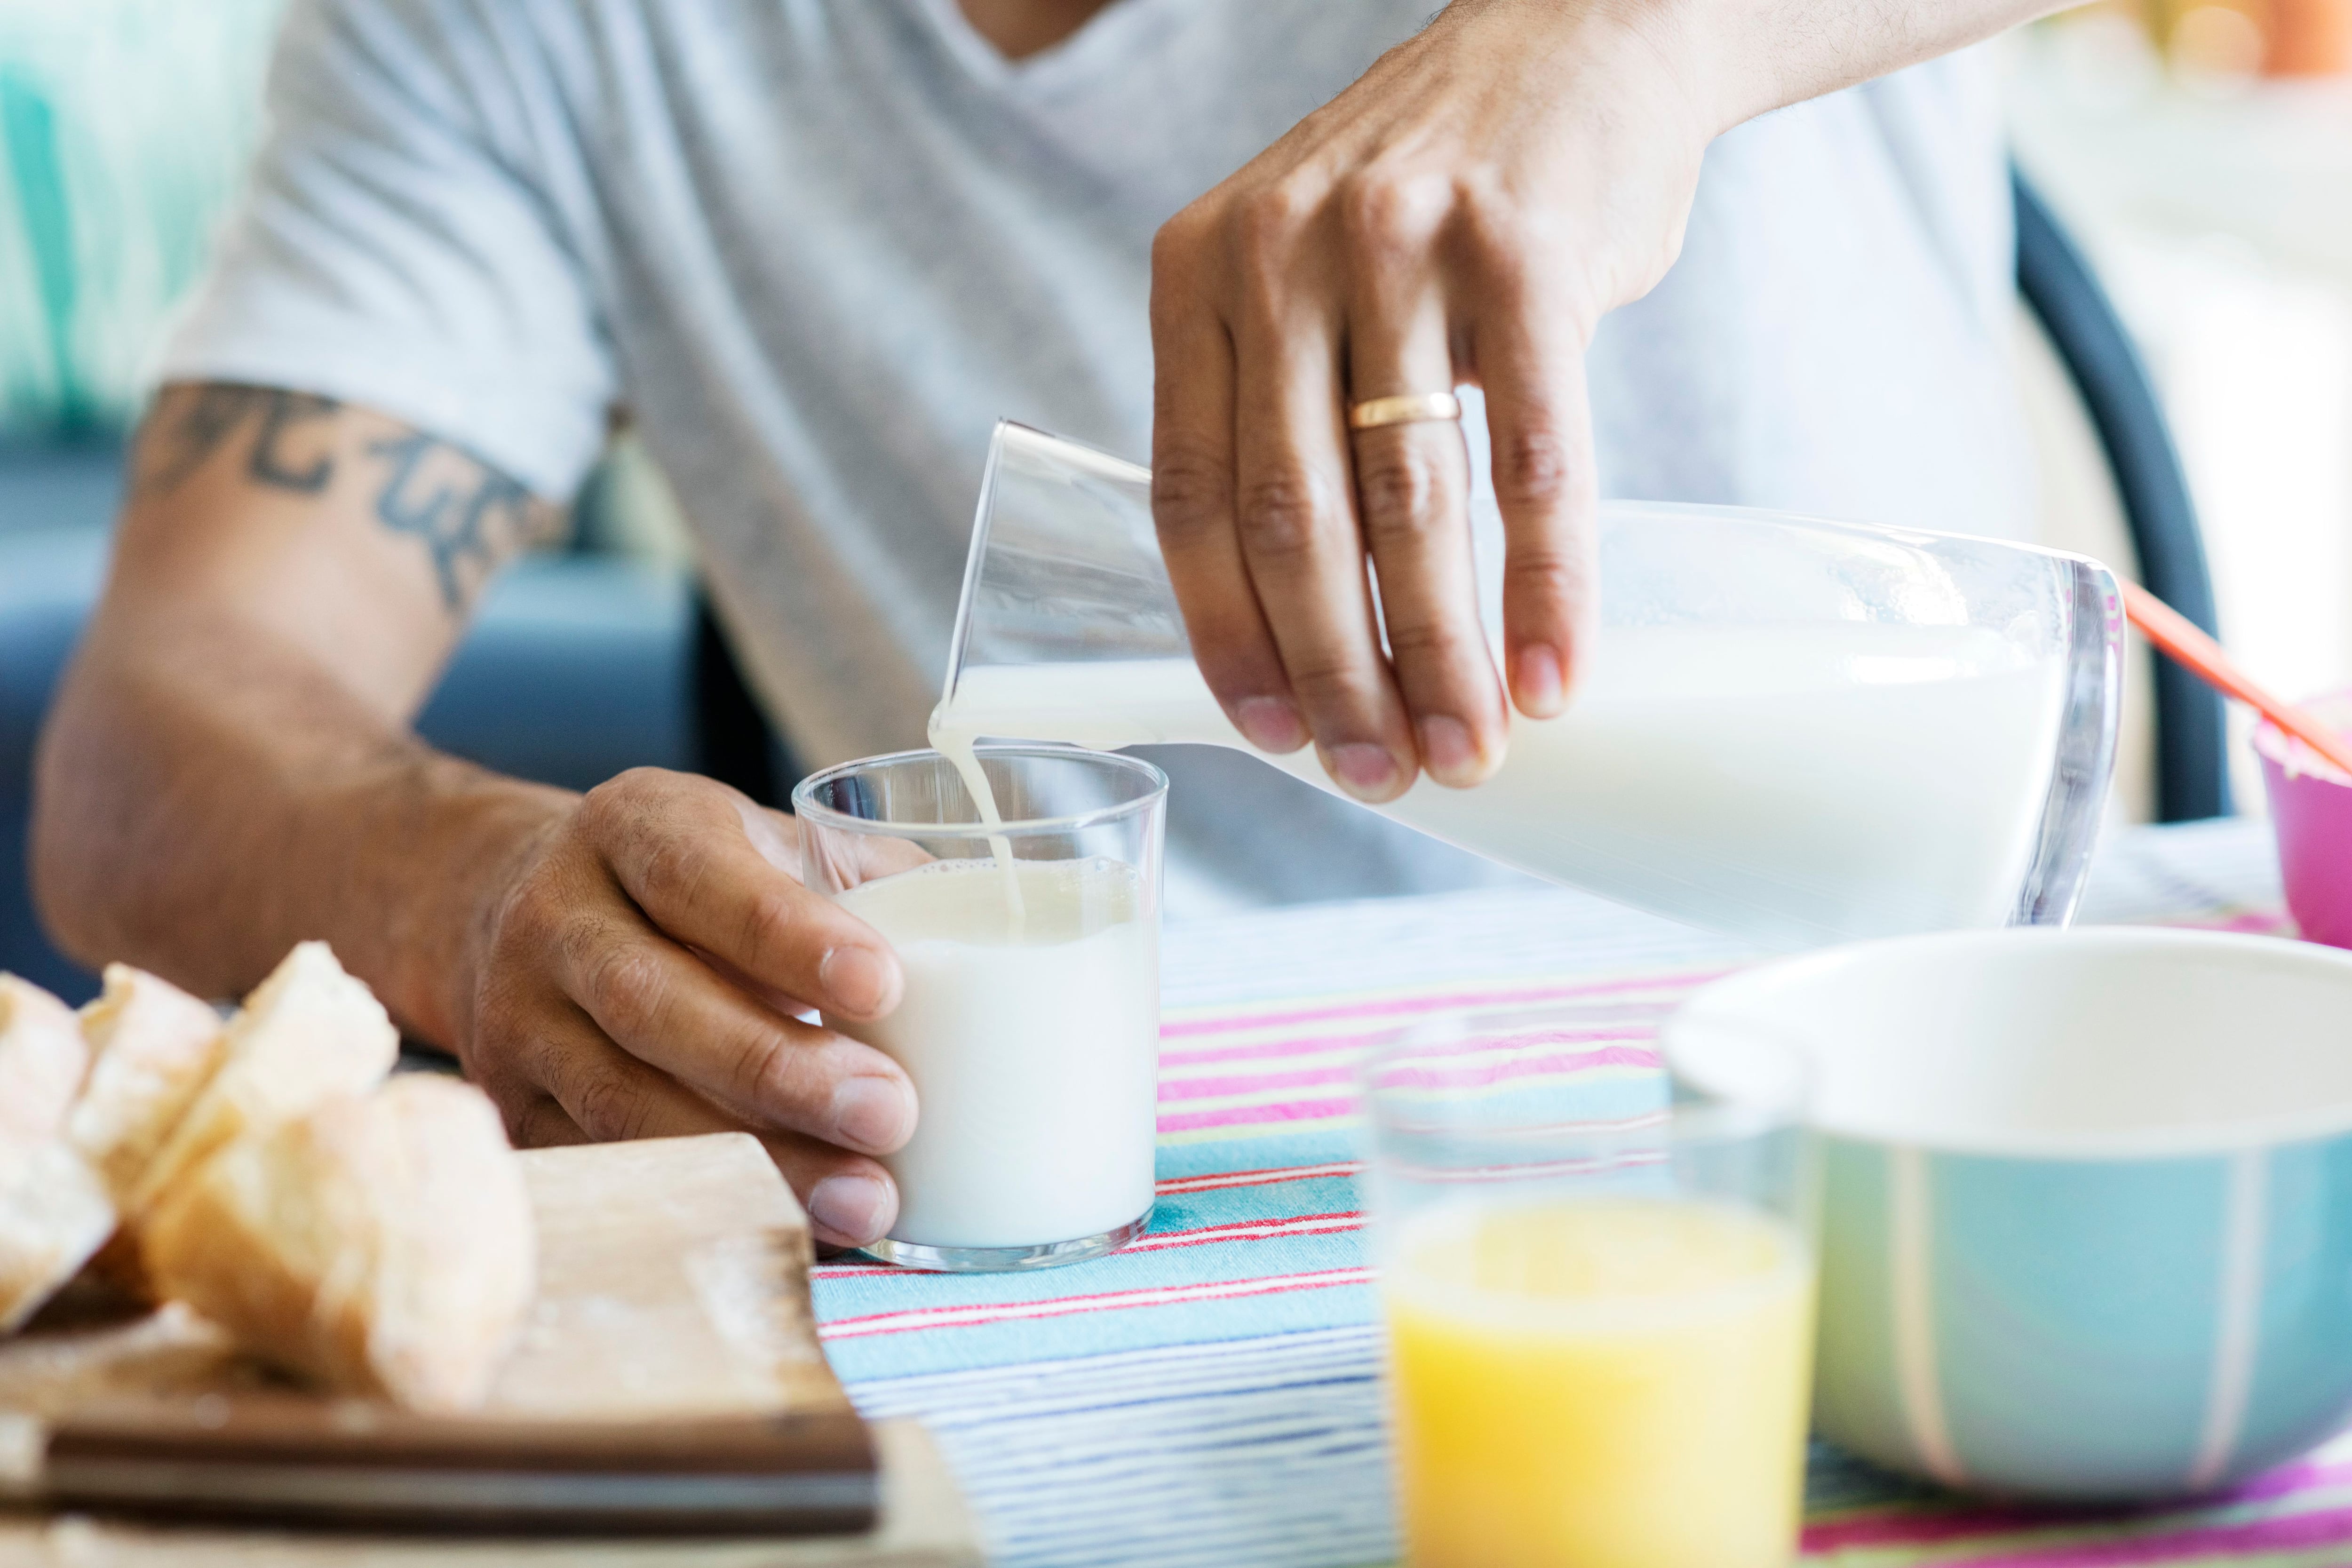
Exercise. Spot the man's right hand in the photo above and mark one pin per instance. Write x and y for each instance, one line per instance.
(229, 767)
(636, 975)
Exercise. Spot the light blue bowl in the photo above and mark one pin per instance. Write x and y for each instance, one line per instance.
(2086, 1218)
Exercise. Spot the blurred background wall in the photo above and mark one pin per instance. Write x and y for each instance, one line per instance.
(123, 129)
(2202, 150)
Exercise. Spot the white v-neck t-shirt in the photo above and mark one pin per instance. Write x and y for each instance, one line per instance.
(817, 247)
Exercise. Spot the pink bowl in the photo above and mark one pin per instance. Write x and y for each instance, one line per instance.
(2311, 810)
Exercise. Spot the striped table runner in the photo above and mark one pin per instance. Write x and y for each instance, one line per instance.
(1210, 1394)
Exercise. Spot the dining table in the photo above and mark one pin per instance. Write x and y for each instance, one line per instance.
(1211, 1393)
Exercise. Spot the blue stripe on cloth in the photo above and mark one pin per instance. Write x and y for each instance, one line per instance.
(1268, 1450)
(885, 1323)
(1177, 1216)
(1274, 1151)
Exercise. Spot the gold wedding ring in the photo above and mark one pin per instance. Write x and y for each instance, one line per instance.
(1408, 409)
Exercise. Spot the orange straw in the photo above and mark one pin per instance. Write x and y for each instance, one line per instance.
(2173, 632)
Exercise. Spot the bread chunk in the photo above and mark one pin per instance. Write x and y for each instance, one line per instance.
(42, 1063)
(379, 1245)
(54, 1213)
(54, 1209)
(153, 1048)
(308, 1033)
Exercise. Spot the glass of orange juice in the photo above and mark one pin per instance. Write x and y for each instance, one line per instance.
(1598, 1288)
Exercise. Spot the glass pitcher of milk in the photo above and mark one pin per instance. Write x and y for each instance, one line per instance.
(1792, 730)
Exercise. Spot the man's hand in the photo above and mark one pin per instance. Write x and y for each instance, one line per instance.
(1464, 214)
(637, 972)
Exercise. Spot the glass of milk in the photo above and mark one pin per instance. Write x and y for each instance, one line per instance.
(1598, 1288)
(1019, 888)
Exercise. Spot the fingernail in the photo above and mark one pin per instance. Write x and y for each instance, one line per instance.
(871, 1113)
(855, 1208)
(1271, 724)
(1536, 682)
(857, 980)
(1364, 770)
(1446, 749)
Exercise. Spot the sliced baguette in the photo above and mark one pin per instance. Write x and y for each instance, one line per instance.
(308, 1033)
(54, 1213)
(381, 1245)
(42, 1063)
(152, 1049)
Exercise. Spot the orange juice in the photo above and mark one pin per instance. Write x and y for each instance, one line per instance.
(1599, 1383)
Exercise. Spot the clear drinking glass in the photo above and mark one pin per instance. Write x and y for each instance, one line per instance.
(1598, 1288)
(1794, 730)
(1030, 1021)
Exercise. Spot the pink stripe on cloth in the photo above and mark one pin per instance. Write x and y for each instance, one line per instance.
(1301, 1044)
(1318, 1045)
(1393, 1007)
(1563, 1064)
(1468, 1043)
(1342, 1072)
(1287, 1046)
(1217, 1180)
(1951, 1523)
(1257, 1115)
(1253, 1083)
(1922, 1531)
(2290, 1532)
(1106, 1301)
(1335, 1224)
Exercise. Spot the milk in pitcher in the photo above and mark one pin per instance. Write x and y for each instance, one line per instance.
(1796, 783)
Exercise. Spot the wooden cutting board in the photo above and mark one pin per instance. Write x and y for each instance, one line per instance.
(673, 1282)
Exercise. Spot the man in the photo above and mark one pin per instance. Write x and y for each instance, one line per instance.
(813, 248)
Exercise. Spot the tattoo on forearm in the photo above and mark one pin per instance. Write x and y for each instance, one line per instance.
(188, 440)
(267, 464)
(469, 516)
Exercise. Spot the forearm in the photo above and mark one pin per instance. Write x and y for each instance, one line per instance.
(207, 799)
(1731, 60)
(229, 767)
(1754, 55)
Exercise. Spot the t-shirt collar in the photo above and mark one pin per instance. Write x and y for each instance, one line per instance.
(1119, 26)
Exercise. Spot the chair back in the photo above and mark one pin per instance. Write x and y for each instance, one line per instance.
(2118, 400)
